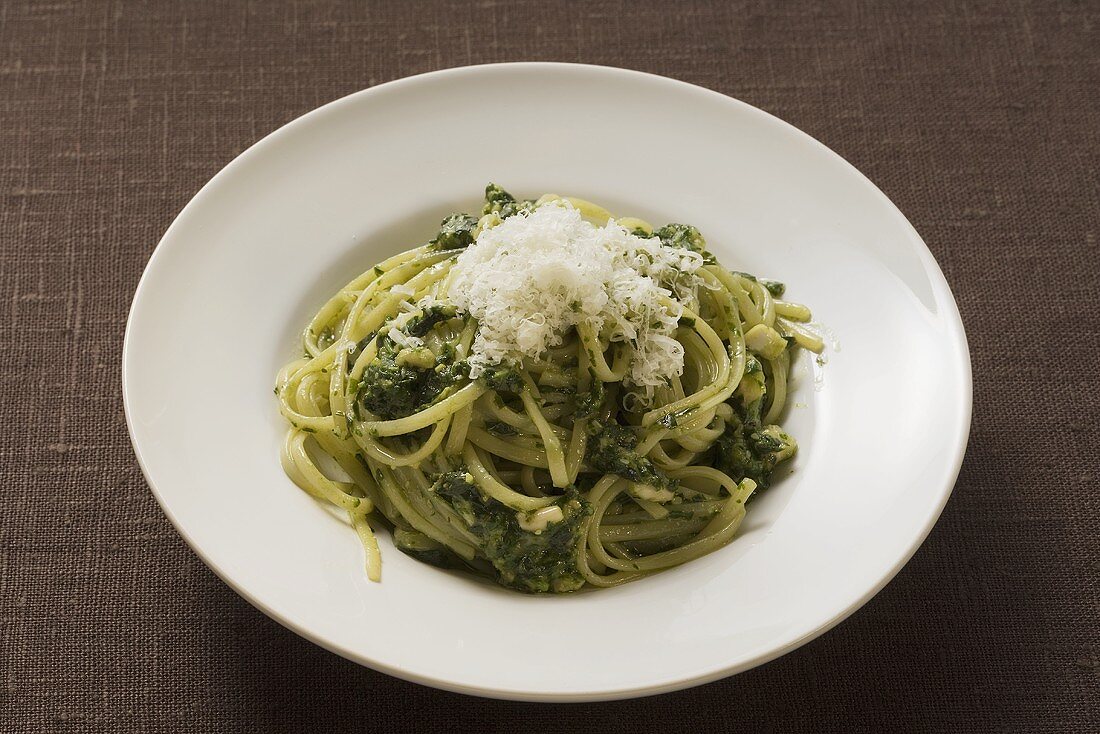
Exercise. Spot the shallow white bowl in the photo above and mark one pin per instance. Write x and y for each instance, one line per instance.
(882, 425)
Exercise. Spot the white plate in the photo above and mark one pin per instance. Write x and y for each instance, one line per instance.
(882, 426)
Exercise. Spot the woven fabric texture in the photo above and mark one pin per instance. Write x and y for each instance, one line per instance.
(981, 120)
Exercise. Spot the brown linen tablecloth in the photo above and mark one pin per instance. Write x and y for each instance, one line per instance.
(980, 120)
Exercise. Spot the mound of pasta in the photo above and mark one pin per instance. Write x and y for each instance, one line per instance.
(546, 395)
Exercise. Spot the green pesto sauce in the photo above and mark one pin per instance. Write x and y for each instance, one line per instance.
(502, 378)
(684, 237)
(612, 450)
(391, 390)
(532, 562)
(455, 232)
(499, 201)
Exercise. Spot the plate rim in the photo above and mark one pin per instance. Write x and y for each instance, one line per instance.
(938, 283)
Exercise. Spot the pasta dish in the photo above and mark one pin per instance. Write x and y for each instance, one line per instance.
(546, 395)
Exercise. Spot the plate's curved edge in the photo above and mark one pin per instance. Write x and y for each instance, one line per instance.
(941, 289)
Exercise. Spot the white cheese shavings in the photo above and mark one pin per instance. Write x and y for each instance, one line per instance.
(401, 339)
(427, 302)
(534, 276)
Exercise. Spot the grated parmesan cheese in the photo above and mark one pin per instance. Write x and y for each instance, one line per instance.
(531, 278)
(408, 342)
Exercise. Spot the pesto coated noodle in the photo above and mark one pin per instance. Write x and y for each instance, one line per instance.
(546, 395)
